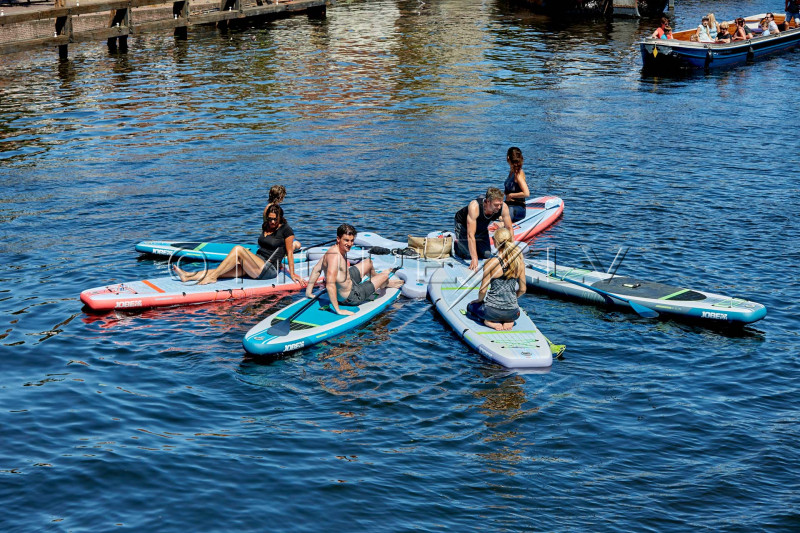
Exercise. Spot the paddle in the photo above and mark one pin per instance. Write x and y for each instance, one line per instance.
(282, 328)
(315, 245)
(642, 310)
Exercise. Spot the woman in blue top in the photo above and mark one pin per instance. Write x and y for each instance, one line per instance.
(703, 33)
(275, 243)
(516, 188)
(713, 26)
(503, 283)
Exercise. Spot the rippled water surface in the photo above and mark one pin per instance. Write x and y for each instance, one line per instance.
(391, 115)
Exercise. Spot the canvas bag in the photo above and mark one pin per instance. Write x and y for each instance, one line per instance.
(431, 247)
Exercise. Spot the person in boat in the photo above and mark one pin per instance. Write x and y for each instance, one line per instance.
(723, 36)
(703, 33)
(345, 284)
(741, 33)
(664, 31)
(472, 226)
(516, 188)
(772, 26)
(763, 25)
(275, 243)
(792, 12)
(713, 26)
(277, 194)
(503, 283)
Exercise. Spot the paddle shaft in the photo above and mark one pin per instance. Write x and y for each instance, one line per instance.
(279, 330)
(315, 245)
(640, 309)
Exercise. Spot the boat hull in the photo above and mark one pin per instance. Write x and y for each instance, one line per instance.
(665, 55)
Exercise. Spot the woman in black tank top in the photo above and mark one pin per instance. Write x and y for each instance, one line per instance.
(275, 243)
(277, 193)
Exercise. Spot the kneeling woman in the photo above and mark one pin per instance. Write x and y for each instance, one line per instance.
(275, 243)
(503, 283)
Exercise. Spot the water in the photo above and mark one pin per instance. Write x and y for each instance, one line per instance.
(391, 115)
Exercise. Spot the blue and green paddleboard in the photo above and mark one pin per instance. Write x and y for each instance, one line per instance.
(314, 324)
(647, 298)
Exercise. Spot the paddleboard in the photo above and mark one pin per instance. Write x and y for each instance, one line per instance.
(416, 272)
(452, 288)
(201, 251)
(670, 301)
(541, 213)
(214, 252)
(313, 325)
(166, 291)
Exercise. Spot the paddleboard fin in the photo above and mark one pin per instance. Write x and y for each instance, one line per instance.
(557, 349)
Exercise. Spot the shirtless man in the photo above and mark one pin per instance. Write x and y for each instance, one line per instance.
(344, 284)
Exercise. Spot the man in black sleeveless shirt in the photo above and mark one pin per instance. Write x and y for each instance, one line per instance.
(472, 226)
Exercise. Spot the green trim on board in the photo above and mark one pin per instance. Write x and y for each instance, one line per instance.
(511, 331)
(674, 294)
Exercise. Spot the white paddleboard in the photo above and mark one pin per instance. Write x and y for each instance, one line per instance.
(452, 288)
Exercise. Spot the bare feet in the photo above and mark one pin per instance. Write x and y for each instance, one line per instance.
(395, 283)
(182, 274)
(494, 325)
(507, 326)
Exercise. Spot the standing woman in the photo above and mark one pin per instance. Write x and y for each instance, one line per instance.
(275, 243)
(516, 188)
(503, 283)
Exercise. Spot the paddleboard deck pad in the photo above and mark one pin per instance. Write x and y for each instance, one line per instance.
(315, 324)
(669, 301)
(452, 288)
(168, 291)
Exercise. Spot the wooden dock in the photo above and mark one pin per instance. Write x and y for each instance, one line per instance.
(25, 27)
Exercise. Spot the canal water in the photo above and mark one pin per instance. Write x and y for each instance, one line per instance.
(391, 115)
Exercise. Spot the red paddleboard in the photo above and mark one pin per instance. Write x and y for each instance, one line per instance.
(161, 292)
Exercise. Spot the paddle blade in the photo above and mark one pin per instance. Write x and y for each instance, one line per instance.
(281, 329)
(642, 310)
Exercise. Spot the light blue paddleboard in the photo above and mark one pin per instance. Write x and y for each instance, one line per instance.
(315, 324)
(200, 251)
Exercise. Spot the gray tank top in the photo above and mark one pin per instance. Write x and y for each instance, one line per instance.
(502, 294)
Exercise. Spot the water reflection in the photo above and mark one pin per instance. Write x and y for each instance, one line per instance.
(225, 317)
